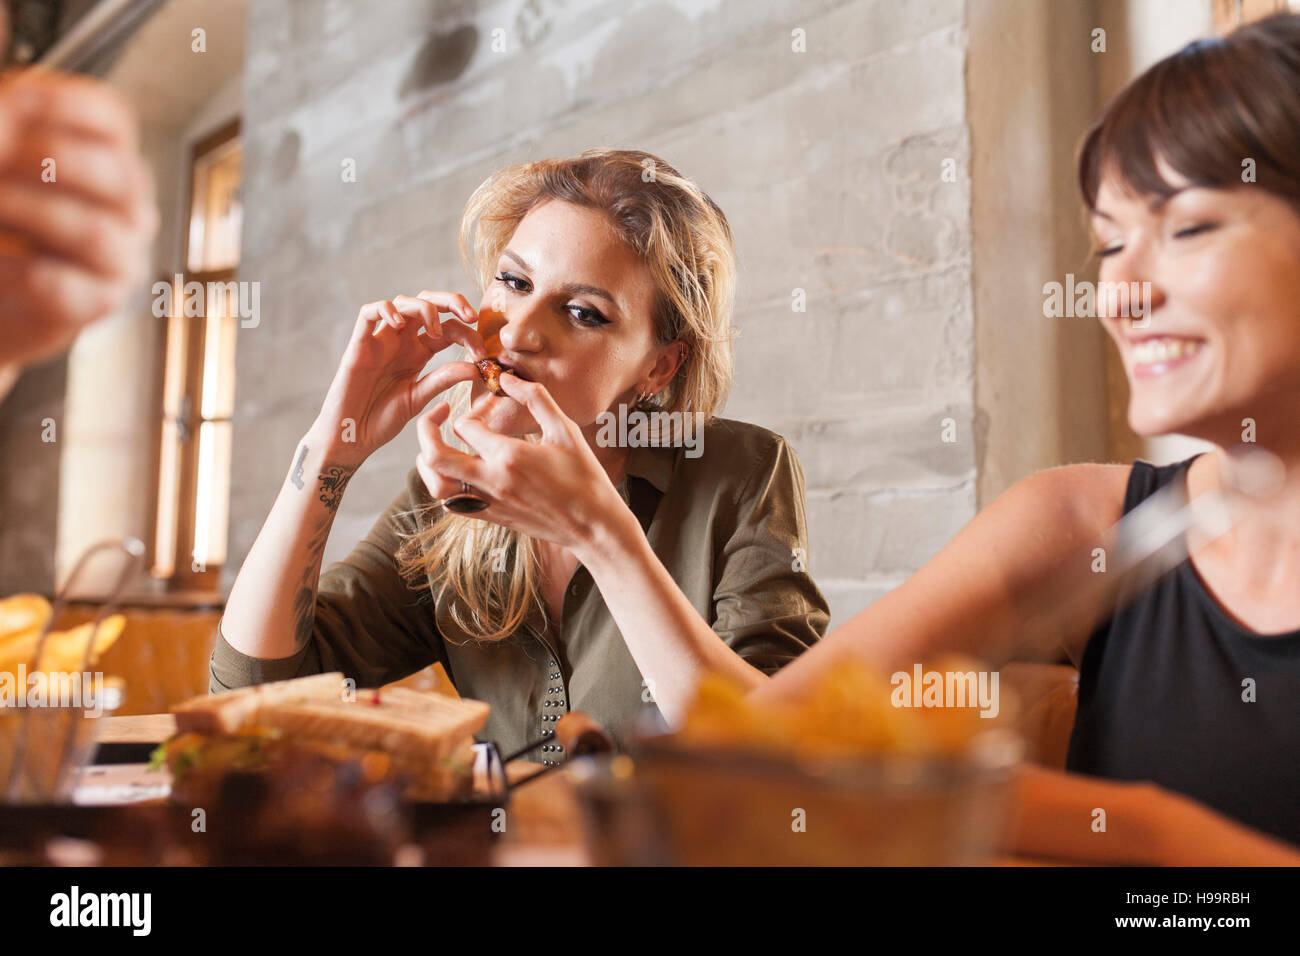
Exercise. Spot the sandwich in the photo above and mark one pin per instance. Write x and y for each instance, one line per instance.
(421, 740)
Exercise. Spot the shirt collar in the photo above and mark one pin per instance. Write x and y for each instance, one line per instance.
(654, 464)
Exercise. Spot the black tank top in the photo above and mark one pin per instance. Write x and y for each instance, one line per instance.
(1161, 696)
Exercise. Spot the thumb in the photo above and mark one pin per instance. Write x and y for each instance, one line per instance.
(439, 380)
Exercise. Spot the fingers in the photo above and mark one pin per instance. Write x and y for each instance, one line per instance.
(375, 317)
(90, 236)
(90, 169)
(450, 302)
(45, 301)
(454, 330)
(534, 396)
(457, 330)
(481, 438)
(73, 190)
(439, 458)
(391, 317)
(76, 103)
(427, 430)
(423, 313)
(440, 379)
(439, 487)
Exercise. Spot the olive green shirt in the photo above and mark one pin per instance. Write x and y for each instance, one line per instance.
(729, 526)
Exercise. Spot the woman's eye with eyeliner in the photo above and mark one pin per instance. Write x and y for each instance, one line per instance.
(1194, 230)
(508, 280)
(588, 317)
(1105, 251)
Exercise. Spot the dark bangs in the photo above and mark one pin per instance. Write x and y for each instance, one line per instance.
(1204, 111)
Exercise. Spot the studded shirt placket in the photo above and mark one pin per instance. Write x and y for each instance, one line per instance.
(556, 703)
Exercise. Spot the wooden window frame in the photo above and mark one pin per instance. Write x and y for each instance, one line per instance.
(184, 577)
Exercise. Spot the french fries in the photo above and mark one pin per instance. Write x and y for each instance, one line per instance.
(21, 612)
(852, 713)
(21, 618)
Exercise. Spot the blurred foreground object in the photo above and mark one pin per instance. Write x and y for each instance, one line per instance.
(77, 212)
(48, 708)
(422, 741)
(855, 776)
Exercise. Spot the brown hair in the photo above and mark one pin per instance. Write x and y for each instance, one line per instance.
(1204, 111)
(489, 574)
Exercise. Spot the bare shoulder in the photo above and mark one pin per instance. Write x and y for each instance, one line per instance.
(1078, 500)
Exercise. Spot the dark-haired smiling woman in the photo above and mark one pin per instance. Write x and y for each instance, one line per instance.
(1187, 768)
(601, 577)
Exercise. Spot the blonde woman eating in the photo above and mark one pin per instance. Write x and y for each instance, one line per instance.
(603, 575)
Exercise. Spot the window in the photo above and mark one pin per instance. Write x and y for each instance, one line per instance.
(198, 377)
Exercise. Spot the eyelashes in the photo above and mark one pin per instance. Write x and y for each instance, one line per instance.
(588, 318)
(506, 279)
(1196, 230)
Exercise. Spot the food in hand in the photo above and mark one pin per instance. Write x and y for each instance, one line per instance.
(491, 371)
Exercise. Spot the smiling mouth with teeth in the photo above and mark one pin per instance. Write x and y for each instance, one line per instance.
(490, 369)
(1164, 350)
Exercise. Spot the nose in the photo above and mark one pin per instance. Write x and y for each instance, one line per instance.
(524, 327)
(1126, 289)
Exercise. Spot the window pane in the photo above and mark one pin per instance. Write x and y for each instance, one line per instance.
(216, 213)
(219, 356)
(168, 500)
(212, 500)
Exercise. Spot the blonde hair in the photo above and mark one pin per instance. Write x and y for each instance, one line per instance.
(684, 239)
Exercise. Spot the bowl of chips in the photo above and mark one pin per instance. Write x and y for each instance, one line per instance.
(49, 707)
(847, 776)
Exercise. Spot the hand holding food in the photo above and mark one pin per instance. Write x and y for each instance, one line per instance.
(77, 213)
(377, 388)
(554, 489)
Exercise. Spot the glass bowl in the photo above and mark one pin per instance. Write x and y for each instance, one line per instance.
(668, 804)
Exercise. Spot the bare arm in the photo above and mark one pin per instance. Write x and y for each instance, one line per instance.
(271, 609)
(971, 595)
(671, 644)
(1060, 817)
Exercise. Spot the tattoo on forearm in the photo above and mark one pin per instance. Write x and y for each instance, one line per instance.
(332, 483)
(296, 477)
(304, 598)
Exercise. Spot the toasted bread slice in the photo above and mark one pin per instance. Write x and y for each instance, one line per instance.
(239, 709)
(395, 720)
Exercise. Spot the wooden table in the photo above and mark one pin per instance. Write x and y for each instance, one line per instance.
(545, 822)
(544, 827)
